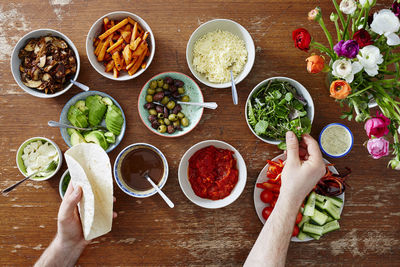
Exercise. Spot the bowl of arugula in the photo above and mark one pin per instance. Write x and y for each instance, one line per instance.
(277, 105)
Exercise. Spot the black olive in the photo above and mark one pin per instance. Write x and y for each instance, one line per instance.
(168, 80)
(148, 105)
(152, 118)
(157, 97)
(171, 129)
(155, 124)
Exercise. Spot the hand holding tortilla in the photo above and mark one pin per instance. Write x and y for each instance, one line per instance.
(90, 169)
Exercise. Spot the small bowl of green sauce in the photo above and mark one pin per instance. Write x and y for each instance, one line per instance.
(336, 140)
(64, 182)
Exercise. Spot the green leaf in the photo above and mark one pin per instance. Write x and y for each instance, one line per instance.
(288, 96)
(282, 145)
(261, 127)
(276, 94)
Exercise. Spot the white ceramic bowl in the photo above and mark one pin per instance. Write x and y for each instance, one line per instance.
(61, 183)
(120, 181)
(16, 62)
(300, 89)
(187, 188)
(225, 25)
(20, 162)
(95, 31)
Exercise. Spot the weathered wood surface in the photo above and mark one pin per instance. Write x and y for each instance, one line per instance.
(147, 232)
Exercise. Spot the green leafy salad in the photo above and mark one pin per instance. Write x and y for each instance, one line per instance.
(90, 113)
(277, 108)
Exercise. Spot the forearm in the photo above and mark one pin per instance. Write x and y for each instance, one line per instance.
(272, 244)
(60, 253)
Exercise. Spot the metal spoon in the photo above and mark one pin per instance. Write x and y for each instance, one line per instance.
(161, 193)
(80, 85)
(62, 125)
(234, 91)
(210, 105)
(51, 167)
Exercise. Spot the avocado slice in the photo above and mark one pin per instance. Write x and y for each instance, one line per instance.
(77, 138)
(114, 119)
(77, 118)
(110, 137)
(70, 131)
(97, 137)
(82, 107)
(97, 109)
(107, 101)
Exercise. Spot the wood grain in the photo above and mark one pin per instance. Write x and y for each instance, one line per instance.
(147, 232)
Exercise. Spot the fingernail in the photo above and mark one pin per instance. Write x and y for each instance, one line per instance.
(290, 135)
(77, 191)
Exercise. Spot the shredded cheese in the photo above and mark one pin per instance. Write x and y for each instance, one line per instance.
(216, 52)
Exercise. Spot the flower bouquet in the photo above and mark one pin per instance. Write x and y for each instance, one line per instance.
(364, 68)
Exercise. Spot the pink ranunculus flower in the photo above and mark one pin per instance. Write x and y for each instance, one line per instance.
(377, 126)
(378, 147)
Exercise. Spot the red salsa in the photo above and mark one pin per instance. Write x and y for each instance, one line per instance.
(213, 172)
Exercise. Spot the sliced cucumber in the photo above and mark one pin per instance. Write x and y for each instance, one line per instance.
(303, 221)
(330, 226)
(319, 205)
(320, 198)
(319, 217)
(332, 209)
(312, 229)
(302, 235)
(316, 237)
(329, 217)
(337, 201)
(310, 205)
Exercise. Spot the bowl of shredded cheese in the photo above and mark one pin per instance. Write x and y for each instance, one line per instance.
(217, 47)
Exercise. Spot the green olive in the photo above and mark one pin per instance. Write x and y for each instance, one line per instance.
(151, 91)
(185, 122)
(165, 100)
(161, 121)
(149, 98)
(153, 84)
(152, 111)
(181, 115)
(160, 83)
(172, 117)
(185, 98)
(170, 104)
(160, 115)
(159, 89)
(167, 121)
(181, 90)
(165, 86)
(176, 124)
(162, 128)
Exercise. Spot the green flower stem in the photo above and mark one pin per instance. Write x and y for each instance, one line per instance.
(339, 36)
(323, 48)
(345, 30)
(327, 33)
(366, 17)
(360, 92)
(360, 15)
(339, 13)
(395, 60)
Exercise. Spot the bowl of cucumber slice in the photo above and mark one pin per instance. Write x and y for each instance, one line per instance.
(100, 117)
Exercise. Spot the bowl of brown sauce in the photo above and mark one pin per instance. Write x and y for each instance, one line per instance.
(131, 164)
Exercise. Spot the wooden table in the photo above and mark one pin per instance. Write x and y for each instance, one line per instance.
(147, 232)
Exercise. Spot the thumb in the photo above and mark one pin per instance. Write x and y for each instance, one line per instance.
(292, 148)
(69, 203)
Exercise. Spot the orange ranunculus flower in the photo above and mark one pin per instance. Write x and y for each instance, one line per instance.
(340, 89)
(315, 64)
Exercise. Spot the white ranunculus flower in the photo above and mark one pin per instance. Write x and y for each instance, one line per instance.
(344, 69)
(387, 23)
(370, 57)
(364, 2)
(348, 6)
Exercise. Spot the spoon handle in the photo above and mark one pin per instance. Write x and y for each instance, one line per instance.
(62, 125)
(80, 85)
(234, 91)
(210, 105)
(161, 193)
(8, 189)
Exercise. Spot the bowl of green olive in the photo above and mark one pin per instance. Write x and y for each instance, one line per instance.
(162, 107)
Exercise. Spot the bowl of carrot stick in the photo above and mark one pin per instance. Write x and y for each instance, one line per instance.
(120, 45)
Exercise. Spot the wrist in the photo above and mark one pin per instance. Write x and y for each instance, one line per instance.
(69, 246)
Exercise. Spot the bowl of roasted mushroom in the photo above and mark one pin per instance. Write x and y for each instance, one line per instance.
(44, 62)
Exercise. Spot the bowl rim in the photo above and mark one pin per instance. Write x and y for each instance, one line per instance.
(241, 173)
(37, 93)
(30, 140)
(117, 179)
(155, 131)
(250, 61)
(260, 84)
(61, 182)
(88, 93)
(351, 137)
(143, 24)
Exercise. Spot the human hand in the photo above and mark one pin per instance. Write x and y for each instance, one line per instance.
(303, 169)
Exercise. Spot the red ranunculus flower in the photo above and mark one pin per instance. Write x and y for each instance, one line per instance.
(302, 39)
(363, 38)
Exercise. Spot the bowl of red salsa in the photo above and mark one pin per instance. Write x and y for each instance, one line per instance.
(212, 174)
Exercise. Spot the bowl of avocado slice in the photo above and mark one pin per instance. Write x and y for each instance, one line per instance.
(98, 112)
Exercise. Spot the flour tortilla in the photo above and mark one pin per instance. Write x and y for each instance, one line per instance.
(90, 168)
